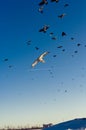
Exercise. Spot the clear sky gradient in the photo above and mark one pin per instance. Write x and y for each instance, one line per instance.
(51, 92)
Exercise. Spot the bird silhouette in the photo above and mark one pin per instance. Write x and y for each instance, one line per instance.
(54, 55)
(29, 42)
(59, 46)
(75, 51)
(62, 15)
(54, 38)
(78, 44)
(43, 2)
(44, 29)
(36, 48)
(51, 33)
(72, 38)
(10, 66)
(63, 50)
(55, 1)
(66, 5)
(64, 34)
(6, 59)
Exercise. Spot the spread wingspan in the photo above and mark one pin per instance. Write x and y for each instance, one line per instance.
(35, 62)
(39, 59)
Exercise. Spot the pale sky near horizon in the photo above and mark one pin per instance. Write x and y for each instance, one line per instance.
(51, 92)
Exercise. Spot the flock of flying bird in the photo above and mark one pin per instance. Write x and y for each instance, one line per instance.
(44, 30)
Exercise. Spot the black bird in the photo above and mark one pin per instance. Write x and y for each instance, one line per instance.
(51, 33)
(54, 38)
(63, 50)
(44, 29)
(55, 1)
(72, 55)
(64, 34)
(43, 2)
(29, 42)
(62, 15)
(6, 59)
(54, 55)
(72, 38)
(10, 66)
(75, 51)
(78, 44)
(36, 48)
(59, 46)
(65, 91)
(66, 5)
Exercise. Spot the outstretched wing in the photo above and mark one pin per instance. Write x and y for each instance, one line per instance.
(41, 30)
(44, 54)
(34, 63)
(55, 0)
(40, 58)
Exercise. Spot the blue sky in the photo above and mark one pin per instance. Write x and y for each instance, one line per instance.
(50, 92)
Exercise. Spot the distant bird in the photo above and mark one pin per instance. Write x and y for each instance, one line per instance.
(51, 72)
(44, 29)
(10, 66)
(54, 38)
(72, 55)
(75, 51)
(41, 9)
(54, 55)
(43, 2)
(51, 33)
(59, 46)
(40, 59)
(66, 5)
(78, 44)
(36, 48)
(55, 1)
(6, 59)
(62, 15)
(65, 91)
(63, 50)
(29, 42)
(72, 38)
(63, 34)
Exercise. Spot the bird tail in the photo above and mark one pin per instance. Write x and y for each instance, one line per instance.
(43, 61)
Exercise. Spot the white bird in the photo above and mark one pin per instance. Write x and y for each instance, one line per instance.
(40, 59)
